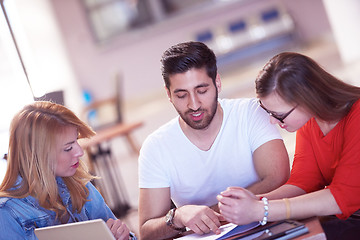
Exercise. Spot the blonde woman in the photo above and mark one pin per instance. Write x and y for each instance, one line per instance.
(46, 183)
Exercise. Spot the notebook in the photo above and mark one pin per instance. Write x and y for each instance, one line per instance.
(87, 230)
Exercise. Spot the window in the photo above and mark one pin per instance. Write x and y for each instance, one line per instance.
(109, 18)
(15, 90)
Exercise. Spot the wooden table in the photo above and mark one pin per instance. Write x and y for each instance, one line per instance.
(316, 232)
(117, 130)
(313, 224)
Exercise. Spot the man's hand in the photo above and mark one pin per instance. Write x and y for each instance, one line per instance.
(118, 229)
(200, 219)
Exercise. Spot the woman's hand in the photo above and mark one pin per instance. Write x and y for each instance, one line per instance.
(240, 206)
(118, 229)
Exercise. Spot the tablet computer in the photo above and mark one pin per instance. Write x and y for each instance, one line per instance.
(285, 229)
(87, 230)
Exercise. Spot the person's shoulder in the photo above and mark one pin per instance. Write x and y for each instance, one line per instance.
(243, 106)
(231, 101)
(352, 119)
(354, 113)
(11, 201)
(242, 103)
(4, 200)
(90, 185)
(355, 107)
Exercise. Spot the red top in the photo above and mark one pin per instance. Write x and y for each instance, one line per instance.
(331, 161)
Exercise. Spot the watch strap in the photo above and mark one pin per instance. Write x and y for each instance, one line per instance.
(170, 218)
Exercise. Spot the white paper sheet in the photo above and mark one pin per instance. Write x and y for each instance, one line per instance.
(224, 230)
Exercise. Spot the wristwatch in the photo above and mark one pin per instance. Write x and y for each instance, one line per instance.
(169, 220)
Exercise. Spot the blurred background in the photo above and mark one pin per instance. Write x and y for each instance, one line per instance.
(101, 58)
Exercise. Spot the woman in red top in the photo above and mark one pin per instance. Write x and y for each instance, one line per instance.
(325, 177)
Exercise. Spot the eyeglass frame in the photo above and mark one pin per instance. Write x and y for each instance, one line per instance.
(281, 119)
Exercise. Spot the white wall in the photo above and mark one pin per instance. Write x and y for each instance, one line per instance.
(43, 50)
(344, 18)
(136, 56)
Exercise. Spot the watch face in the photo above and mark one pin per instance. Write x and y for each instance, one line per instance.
(169, 217)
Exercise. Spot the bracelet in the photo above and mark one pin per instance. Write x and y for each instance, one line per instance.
(287, 203)
(266, 211)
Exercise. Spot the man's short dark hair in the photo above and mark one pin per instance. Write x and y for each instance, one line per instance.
(182, 57)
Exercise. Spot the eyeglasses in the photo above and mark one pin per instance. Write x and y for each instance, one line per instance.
(274, 115)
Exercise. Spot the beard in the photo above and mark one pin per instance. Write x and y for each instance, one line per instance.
(205, 121)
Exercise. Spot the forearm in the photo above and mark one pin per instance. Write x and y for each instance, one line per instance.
(320, 203)
(285, 191)
(156, 228)
(265, 185)
(249, 208)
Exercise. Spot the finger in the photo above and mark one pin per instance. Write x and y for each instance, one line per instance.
(211, 225)
(226, 211)
(195, 229)
(110, 222)
(226, 200)
(211, 220)
(122, 232)
(119, 233)
(117, 226)
(226, 214)
(235, 193)
(220, 217)
(203, 227)
(228, 192)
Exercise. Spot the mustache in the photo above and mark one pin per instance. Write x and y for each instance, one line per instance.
(194, 111)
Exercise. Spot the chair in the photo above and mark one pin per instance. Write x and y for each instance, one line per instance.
(106, 118)
(55, 96)
(106, 114)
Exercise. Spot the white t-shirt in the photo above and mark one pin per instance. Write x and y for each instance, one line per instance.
(168, 158)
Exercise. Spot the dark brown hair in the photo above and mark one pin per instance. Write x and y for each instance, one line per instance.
(298, 79)
(182, 57)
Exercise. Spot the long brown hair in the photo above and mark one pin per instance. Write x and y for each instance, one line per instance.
(33, 135)
(298, 79)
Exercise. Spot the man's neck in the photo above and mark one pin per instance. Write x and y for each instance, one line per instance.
(204, 138)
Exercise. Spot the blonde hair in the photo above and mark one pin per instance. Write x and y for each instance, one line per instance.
(33, 135)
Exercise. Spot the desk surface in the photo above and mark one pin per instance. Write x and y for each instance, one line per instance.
(315, 230)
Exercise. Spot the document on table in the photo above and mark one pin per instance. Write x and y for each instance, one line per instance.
(227, 231)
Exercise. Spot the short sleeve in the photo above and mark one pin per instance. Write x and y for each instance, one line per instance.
(153, 163)
(260, 129)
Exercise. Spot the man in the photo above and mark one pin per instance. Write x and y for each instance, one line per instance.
(213, 144)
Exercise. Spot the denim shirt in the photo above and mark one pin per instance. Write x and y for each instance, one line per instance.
(20, 216)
